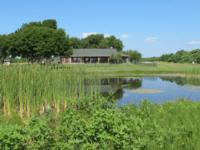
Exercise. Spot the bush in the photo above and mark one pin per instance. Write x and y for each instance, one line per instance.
(12, 137)
(33, 136)
(145, 126)
(38, 135)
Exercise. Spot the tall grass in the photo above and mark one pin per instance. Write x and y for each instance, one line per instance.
(35, 89)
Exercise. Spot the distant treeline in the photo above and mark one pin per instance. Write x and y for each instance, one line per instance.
(181, 56)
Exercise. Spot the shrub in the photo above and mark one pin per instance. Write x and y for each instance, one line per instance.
(12, 137)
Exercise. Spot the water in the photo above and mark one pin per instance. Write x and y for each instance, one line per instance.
(155, 89)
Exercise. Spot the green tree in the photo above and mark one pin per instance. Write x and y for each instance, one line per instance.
(41, 42)
(100, 41)
(134, 56)
(4, 47)
(167, 57)
(1, 46)
(113, 42)
(93, 41)
(196, 55)
(76, 43)
(116, 58)
(178, 57)
(182, 56)
(51, 23)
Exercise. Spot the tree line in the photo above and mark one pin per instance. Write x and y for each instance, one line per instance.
(40, 40)
(181, 56)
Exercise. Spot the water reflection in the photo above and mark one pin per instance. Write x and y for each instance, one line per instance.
(182, 81)
(115, 86)
(131, 90)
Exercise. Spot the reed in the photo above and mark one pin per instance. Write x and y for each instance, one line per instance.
(35, 89)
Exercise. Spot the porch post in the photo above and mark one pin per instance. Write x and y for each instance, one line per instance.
(70, 60)
(108, 59)
(81, 60)
(99, 59)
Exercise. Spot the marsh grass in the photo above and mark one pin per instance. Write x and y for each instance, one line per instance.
(35, 89)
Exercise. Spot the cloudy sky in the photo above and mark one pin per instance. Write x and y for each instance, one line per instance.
(152, 27)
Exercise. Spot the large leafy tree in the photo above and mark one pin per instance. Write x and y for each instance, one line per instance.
(93, 41)
(1, 47)
(113, 42)
(36, 42)
(49, 23)
(5, 48)
(76, 42)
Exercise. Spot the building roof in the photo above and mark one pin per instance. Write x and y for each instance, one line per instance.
(93, 52)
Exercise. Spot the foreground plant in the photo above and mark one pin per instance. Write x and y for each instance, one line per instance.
(145, 126)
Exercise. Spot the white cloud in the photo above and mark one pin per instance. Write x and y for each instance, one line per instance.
(86, 34)
(194, 43)
(151, 40)
(107, 35)
(124, 36)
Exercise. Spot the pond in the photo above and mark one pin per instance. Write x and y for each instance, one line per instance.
(156, 89)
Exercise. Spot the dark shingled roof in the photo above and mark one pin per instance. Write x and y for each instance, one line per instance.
(93, 52)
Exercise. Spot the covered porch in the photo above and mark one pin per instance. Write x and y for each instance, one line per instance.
(90, 59)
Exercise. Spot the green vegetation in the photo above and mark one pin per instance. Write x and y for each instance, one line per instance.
(143, 69)
(60, 107)
(188, 80)
(181, 56)
(29, 90)
(146, 126)
(134, 56)
(37, 41)
(116, 58)
(97, 41)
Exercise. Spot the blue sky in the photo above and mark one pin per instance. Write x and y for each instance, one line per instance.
(152, 27)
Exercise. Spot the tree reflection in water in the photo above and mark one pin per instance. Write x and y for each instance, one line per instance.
(182, 81)
(115, 86)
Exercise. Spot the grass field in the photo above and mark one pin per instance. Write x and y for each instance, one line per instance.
(135, 69)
